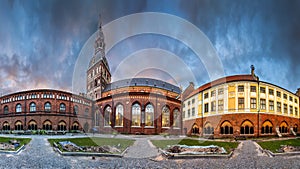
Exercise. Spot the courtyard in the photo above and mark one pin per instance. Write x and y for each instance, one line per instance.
(39, 154)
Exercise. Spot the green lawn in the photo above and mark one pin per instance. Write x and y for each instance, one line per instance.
(94, 141)
(190, 142)
(275, 145)
(21, 140)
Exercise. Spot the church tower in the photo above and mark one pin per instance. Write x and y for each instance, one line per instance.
(98, 73)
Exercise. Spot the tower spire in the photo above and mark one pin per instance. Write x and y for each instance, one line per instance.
(100, 22)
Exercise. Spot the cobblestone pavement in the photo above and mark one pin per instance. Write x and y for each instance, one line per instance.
(142, 148)
(39, 154)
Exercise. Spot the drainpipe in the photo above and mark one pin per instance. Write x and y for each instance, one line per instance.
(258, 109)
(202, 101)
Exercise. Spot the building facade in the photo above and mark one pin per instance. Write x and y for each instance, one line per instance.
(241, 105)
(45, 109)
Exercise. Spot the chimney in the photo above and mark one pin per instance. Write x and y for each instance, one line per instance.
(298, 92)
(252, 70)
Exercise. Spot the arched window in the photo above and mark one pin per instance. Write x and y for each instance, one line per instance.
(295, 128)
(283, 128)
(176, 118)
(32, 107)
(107, 116)
(208, 129)
(6, 109)
(97, 118)
(149, 115)
(18, 108)
(6, 126)
(75, 126)
(62, 126)
(165, 116)
(247, 127)
(62, 107)
(119, 115)
(18, 125)
(75, 110)
(195, 129)
(32, 125)
(47, 107)
(267, 127)
(226, 128)
(136, 115)
(47, 125)
(86, 112)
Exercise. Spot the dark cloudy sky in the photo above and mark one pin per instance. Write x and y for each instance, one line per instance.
(40, 40)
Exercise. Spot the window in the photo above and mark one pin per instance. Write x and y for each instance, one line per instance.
(253, 103)
(213, 106)
(296, 111)
(189, 102)
(247, 128)
(75, 110)
(206, 107)
(278, 93)
(252, 88)
(183, 105)
(32, 125)
(285, 108)
(262, 90)
(165, 117)
(240, 103)
(61, 126)
(47, 125)
(205, 95)
(271, 105)
(75, 126)
(47, 107)
(136, 114)
(107, 116)
(213, 93)
(291, 98)
(193, 101)
(6, 126)
(193, 111)
(271, 92)
(285, 96)
(278, 106)
(18, 125)
(267, 128)
(32, 107)
(263, 104)
(176, 118)
(296, 100)
(62, 107)
(291, 109)
(6, 110)
(189, 113)
(19, 108)
(226, 128)
(240, 88)
(149, 115)
(220, 105)
(220, 91)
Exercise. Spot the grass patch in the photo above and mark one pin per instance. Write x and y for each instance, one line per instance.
(190, 142)
(275, 145)
(22, 141)
(94, 141)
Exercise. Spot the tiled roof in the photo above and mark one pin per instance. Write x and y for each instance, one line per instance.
(142, 82)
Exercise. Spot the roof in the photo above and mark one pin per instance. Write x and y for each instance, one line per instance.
(222, 81)
(97, 58)
(142, 82)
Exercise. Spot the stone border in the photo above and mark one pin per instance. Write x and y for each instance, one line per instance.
(271, 154)
(13, 152)
(191, 156)
(55, 148)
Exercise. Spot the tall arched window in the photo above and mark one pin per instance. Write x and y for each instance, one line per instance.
(18, 125)
(75, 110)
(107, 116)
(75, 126)
(149, 115)
(62, 107)
(283, 128)
(165, 116)
(6, 109)
(208, 129)
(119, 115)
(176, 118)
(6, 126)
(18, 108)
(247, 127)
(47, 107)
(267, 127)
(32, 125)
(62, 126)
(136, 115)
(226, 128)
(47, 125)
(32, 107)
